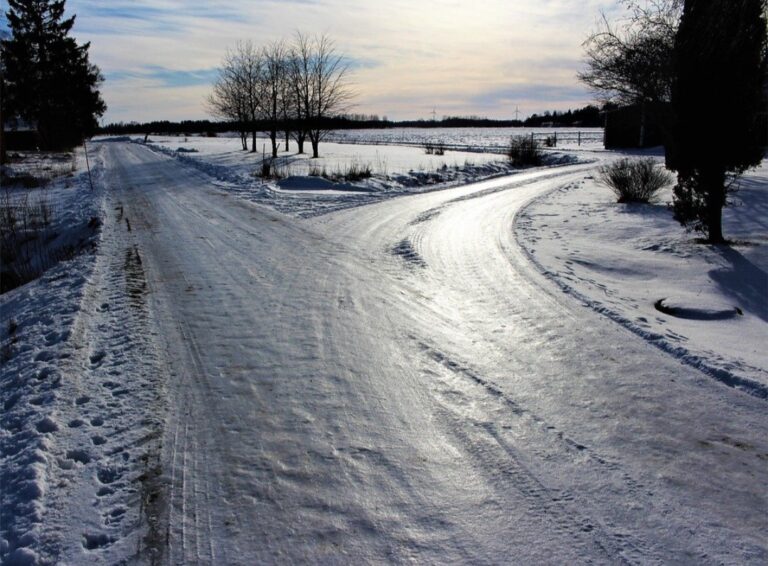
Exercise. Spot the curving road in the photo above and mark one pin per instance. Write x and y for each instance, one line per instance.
(396, 383)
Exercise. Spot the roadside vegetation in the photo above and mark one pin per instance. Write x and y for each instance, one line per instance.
(524, 151)
(634, 180)
(677, 61)
(35, 233)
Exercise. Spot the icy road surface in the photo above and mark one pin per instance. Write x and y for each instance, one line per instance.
(397, 383)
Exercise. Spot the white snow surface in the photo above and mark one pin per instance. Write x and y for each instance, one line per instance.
(81, 394)
(224, 383)
(625, 260)
(396, 170)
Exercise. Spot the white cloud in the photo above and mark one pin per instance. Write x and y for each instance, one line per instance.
(445, 54)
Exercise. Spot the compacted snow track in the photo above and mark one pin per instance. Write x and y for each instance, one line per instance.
(396, 383)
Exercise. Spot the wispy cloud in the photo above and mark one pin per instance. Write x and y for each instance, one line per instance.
(404, 57)
(165, 78)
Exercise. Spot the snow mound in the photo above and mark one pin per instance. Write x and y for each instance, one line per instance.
(682, 308)
(302, 183)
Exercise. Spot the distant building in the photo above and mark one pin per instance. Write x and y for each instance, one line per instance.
(634, 126)
(20, 135)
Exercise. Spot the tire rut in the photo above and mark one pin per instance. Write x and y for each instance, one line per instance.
(488, 433)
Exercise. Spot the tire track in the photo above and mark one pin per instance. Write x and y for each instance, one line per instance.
(493, 422)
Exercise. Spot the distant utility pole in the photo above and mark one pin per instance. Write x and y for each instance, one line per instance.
(517, 112)
(434, 114)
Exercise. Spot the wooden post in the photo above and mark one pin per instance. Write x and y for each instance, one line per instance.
(579, 133)
(88, 163)
(555, 145)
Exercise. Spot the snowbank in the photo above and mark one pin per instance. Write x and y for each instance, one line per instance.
(37, 322)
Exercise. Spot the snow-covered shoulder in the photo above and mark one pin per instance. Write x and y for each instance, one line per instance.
(38, 317)
(80, 420)
(707, 305)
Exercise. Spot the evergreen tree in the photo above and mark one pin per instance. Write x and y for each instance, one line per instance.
(49, 80)
(718, 93)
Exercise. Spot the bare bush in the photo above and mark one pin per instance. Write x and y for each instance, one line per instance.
(317, 171)
(524, 151)
(357, 171)
(274, 169)
(24, 231)
(634, 180)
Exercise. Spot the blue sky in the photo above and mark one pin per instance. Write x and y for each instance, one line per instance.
(407, 57)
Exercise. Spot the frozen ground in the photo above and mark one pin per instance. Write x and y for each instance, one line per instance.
(221, 382)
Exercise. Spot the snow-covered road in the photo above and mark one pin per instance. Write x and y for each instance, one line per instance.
(396, 382)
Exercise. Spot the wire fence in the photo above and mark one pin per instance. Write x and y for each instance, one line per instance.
(494, 144)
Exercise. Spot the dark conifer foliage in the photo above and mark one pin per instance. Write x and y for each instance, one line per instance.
(49, 81)
(718, 95)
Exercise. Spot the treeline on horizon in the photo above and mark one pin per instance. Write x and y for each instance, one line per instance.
(587, 117)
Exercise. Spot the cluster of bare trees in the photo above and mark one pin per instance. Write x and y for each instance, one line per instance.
(283, 87)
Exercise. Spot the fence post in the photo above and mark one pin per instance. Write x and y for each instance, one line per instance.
(555, 145)
(88, 163)
(579, 138)
(532, 140)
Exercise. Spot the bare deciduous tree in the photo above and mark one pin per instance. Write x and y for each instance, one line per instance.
(318, 75)
(238, 90)
(274, 77)
(226, 101)
(630, 62)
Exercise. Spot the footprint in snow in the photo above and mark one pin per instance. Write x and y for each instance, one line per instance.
(107, 475)
(79, 455)
(94, 541)
(44, 356)
(47, 425)
(97, 358)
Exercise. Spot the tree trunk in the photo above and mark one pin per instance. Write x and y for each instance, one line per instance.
(287, 138)
(315, 148)
(253, 149)
(273, 139)
(300, 143)
(714, 181)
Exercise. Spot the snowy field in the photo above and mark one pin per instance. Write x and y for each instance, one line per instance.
(493, 140)
(382, 160)
(472, 372)
(394, 170)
